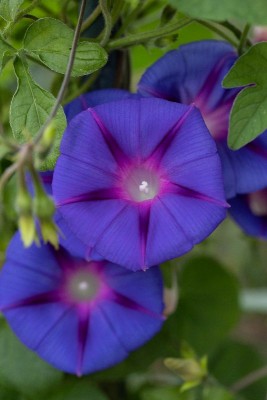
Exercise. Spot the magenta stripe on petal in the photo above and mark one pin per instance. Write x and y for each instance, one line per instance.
(37, 299)
(144, 216)
(253, 146)
(186, 192)
(132, 305)
(101, 194)
(112, 144)
(83, 329)
(165, 143)
(212, 81)
(155, 93)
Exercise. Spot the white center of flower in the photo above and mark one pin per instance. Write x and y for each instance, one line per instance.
(83, 286)
(142, 184)
(144, 188)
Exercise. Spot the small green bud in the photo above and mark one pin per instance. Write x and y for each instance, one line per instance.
(23, 202)
(166, 41)
(43, 206)
(49, 232)
(27, 229)
(187, 369)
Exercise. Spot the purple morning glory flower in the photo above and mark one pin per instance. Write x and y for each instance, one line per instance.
(193, 75)
(79, 316)
(67, 238)
(250, 212)
(139, 181)
(94, 98)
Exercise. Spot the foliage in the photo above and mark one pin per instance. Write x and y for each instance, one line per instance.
(248, 116)
(245, 10)
(39, 73)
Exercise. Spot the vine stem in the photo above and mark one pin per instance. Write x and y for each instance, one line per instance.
(67, 74)
(108, 21)
(218, 31)
(141, 37)
(236, 31)
(249, 379)
(243, 39)
(25, 152)
(91, 18)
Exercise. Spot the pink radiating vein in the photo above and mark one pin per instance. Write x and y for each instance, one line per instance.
(83, 328)
(64, 260)
(257, 149)
(186, 192)
(211, 81)
(144, 217)
(96, 195)
(133, 305)
(37, 299)
(111, 142)
(166, 141)
(155, 93)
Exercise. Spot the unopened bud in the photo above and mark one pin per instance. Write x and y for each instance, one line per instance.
(27, 229)
(23, 202)
(187, 369)
(166, 41)
(49, 232)
(43, 206)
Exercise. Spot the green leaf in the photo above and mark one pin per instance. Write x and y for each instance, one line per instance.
(249, 113)
(30, 108)
(9, 9)
(216, 393)
(208, 306)
(166, 393)
(5, 50)
(233, 361)
(80, 390)
(50, 41)
(254, 11)
(4, 150)
(21, 369)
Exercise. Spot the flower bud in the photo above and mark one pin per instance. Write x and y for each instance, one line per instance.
(26, 226)
(23, 202)
(187, 369)
(43, 206)
(49, 232)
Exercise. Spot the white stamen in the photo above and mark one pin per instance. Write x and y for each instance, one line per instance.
(83, 286)
(144, 187)
(142, 184)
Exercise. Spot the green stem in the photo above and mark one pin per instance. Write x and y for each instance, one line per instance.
(130, 17)
(91, 19)
(237, 32)
(108, 21)
(218, 31)
(138, 38)
(249, 379)
(66, 79)
(38, 187)
(243, 39)
(117, 10)
(83, 88)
